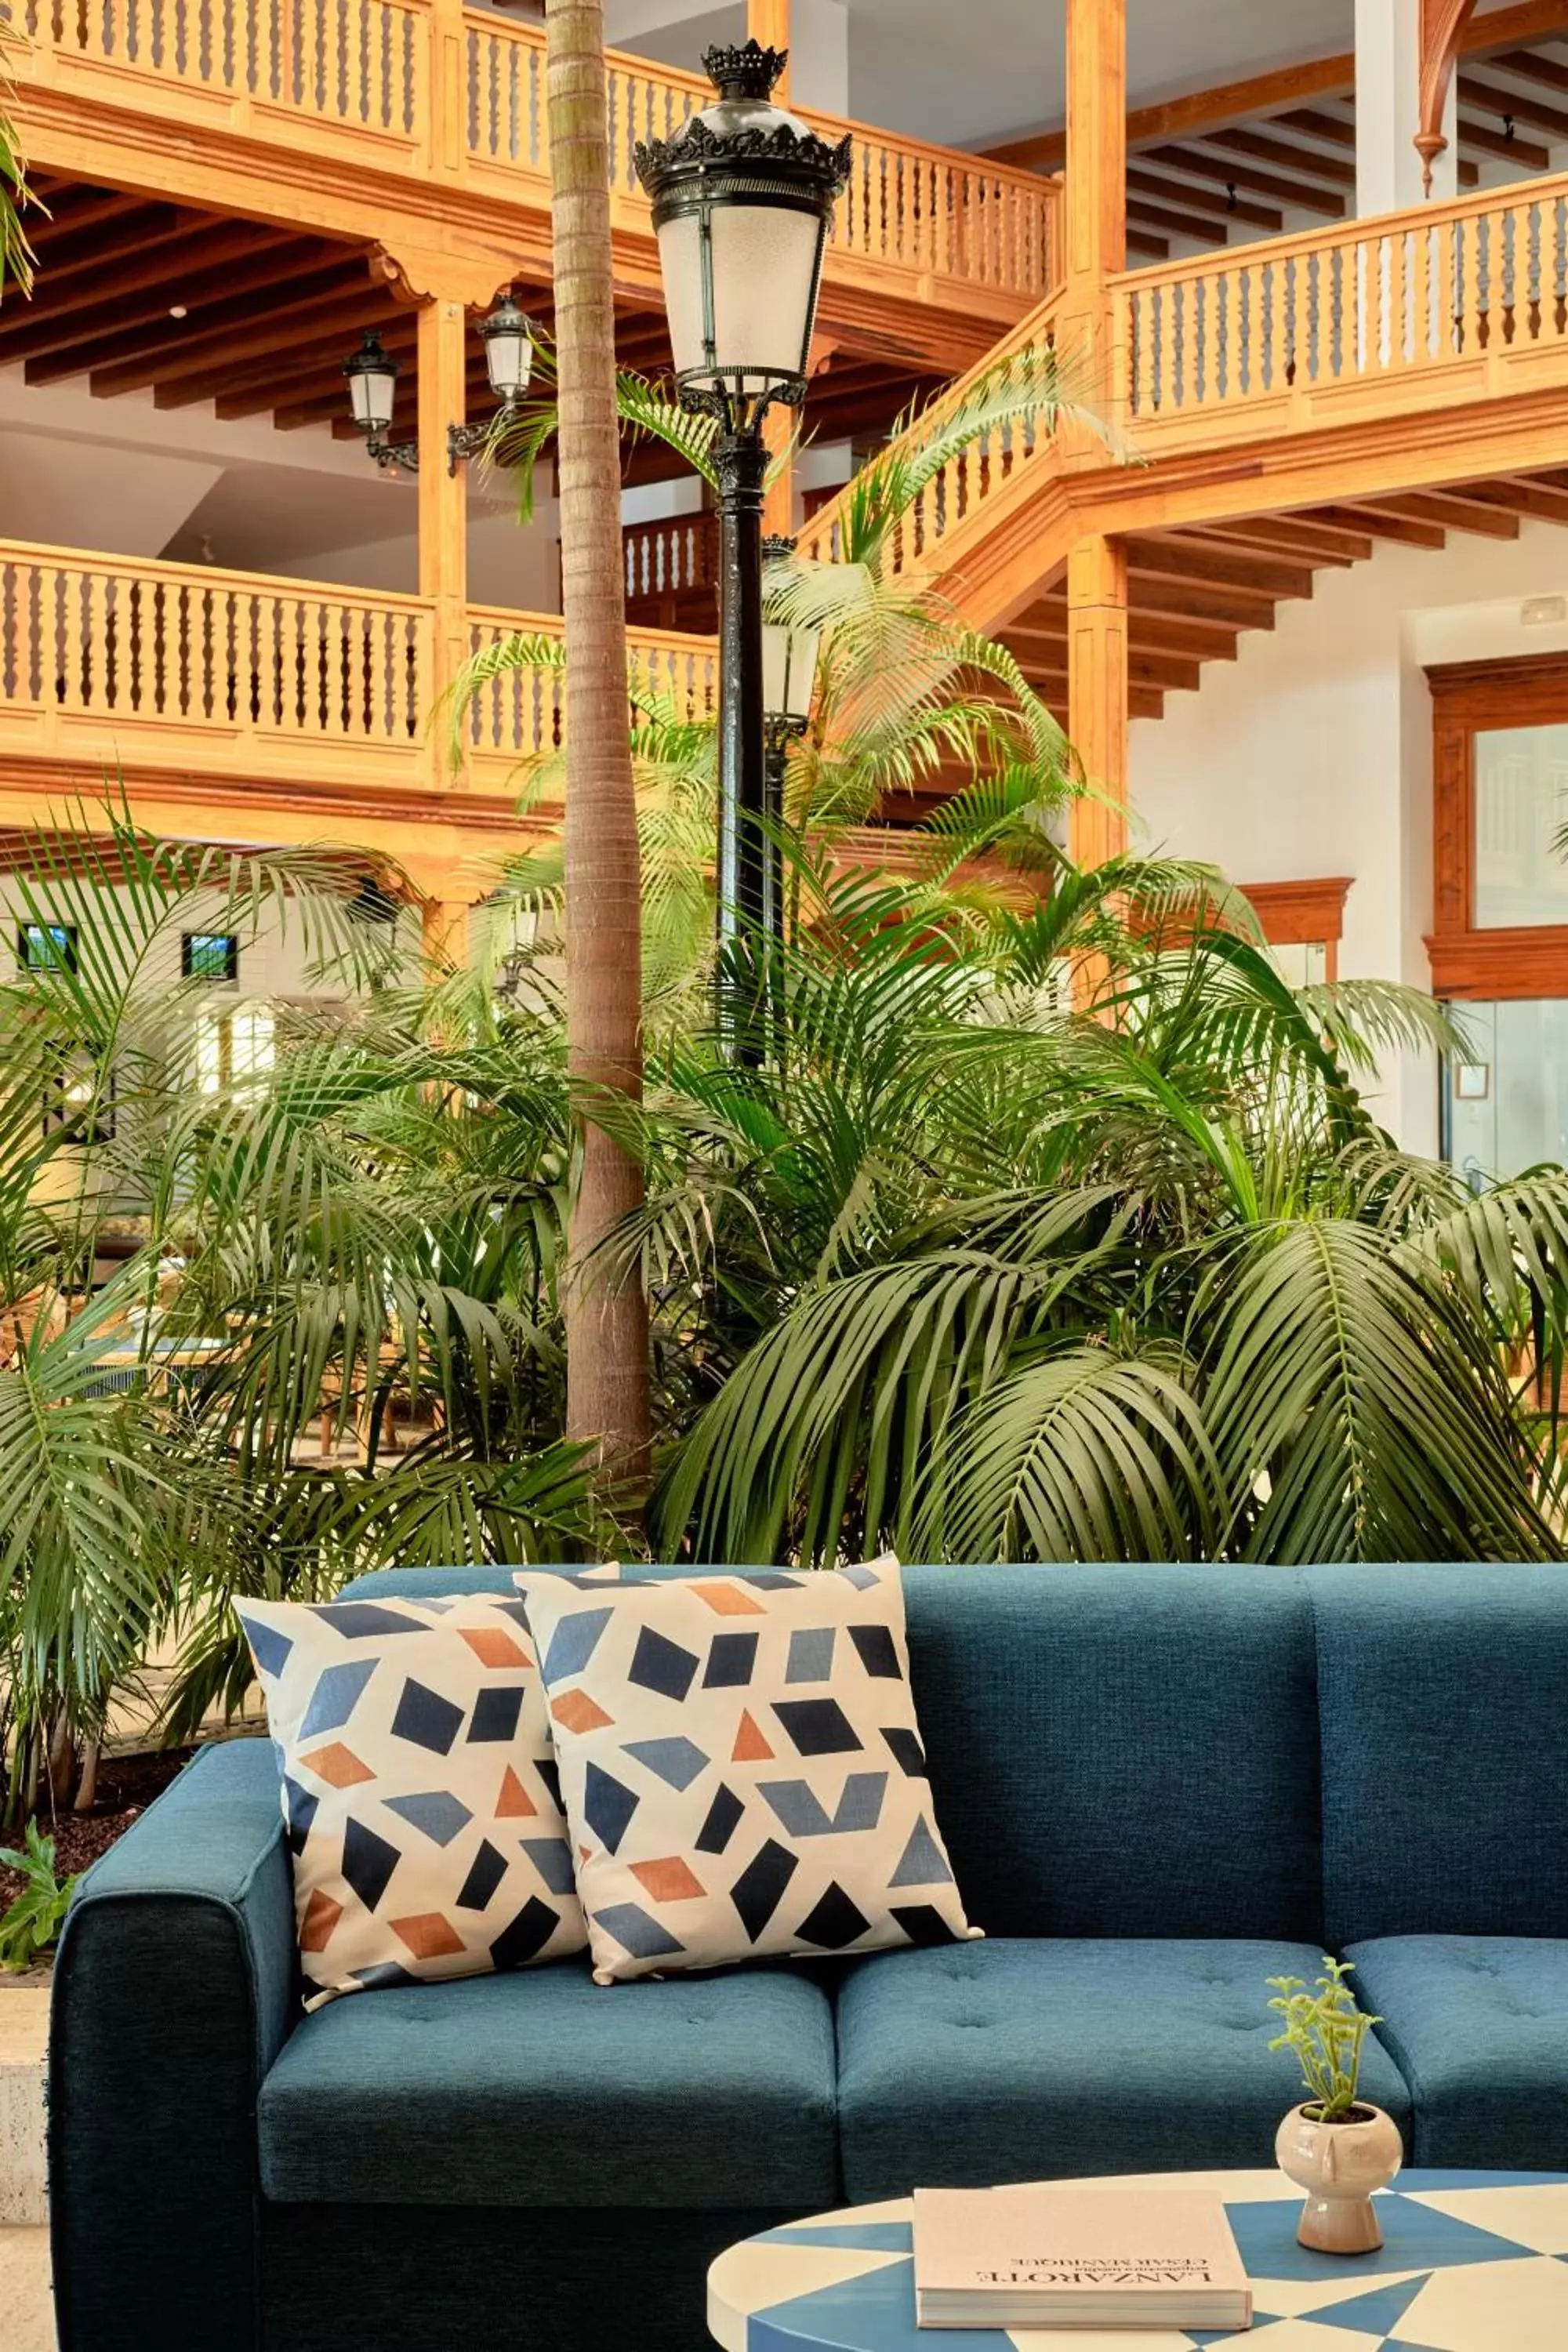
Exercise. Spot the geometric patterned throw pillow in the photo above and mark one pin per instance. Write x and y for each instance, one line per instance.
(418, 1789)
(742, 1768)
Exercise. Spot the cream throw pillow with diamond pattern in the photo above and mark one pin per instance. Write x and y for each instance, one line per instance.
(741, 1769)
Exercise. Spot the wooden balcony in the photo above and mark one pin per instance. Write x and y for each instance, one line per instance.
(1393, 376)
(271, 709)
(422, 125)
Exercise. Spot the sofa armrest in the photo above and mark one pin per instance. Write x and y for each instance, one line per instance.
(173, 1990)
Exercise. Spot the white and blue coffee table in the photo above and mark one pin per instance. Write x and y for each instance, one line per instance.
(1472, 2262)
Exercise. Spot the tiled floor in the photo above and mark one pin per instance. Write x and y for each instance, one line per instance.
(24, 2291)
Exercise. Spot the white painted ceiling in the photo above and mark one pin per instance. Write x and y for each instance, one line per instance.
(967, 74)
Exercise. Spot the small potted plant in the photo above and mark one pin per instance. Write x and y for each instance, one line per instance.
(1338, 2148)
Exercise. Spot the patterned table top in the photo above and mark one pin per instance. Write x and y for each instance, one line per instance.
(1472, 2262)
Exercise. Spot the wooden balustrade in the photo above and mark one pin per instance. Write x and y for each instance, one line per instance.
(116, 662)
(427, 88)
(671, 571)
(964, 484)
(359, 65)
(929, 210)
(521, 715)
(1369, 311)
(97, 650)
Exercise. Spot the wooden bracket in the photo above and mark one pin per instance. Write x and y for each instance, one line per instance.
(1442, 22)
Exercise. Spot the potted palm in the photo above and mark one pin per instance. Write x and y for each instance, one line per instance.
(1335, 2145)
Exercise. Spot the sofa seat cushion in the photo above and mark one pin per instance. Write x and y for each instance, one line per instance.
(546, 2089)
(1480, 2027)
(1033, 2061)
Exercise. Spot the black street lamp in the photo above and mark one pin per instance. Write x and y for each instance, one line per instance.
(371, 374)
(743, 195)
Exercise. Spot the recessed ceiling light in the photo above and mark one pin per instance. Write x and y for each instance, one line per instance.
(178, 310)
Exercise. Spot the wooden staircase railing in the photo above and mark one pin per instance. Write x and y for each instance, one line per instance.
(962, 490)
(1456, 299)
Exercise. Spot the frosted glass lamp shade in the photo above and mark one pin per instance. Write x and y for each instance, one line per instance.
(740, 287)
(371, 375)
(789, 670)
(507, 336)
(743, 197)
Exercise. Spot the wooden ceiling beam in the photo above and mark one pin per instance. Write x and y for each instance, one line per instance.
(1520, 105)
(1524, 151)
(1283, 154)
(1155, 217)
(1449, 510)
(1151, 248)
(1403, 528)
(1167, 191)
(1051, 686)
(1289, 534)
(1176, 556)
(1200, 166)
(1540, 501)
(319, 362)
(68, 333)
(1528, 67)
(162, 352)
(287, 333)
(163, 224)
(97, 208)
(1187, 599)
(1184, 116)
(1336, 129)
(1148, 664)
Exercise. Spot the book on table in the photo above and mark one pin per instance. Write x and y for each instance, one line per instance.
(1049, 2257)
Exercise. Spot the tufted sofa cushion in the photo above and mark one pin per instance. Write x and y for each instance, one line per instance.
(712, 2091)
(1480, 2027)
(1029, 2061)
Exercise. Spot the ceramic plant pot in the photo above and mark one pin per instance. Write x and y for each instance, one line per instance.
(1339, 2166)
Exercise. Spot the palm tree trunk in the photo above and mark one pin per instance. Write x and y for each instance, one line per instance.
(607, 1319)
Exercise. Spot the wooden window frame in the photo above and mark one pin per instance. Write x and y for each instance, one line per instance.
(1467, 699)
(1307, 913)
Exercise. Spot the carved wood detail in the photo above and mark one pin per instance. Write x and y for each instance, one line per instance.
(1442, 22)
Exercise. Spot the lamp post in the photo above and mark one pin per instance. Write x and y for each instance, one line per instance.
(789, 679)
(371, 374)
(743, 195)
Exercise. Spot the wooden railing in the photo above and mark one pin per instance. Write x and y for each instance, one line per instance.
(430, 88)
(964, 485)
(929, 210)
(676, 556)
(521, 715)
(359, 65)
(95, 649)
(118, 662)
(1393, 303)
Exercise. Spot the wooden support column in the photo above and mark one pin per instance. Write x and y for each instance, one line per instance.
(449, 93)
(1094, 195)
(779, 429)
(1097, 696)
(767, 21)
(443, 494)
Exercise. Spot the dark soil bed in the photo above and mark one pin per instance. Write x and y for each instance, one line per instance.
(126, 1787)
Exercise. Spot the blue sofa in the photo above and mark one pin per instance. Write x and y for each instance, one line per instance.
(1160, 1786)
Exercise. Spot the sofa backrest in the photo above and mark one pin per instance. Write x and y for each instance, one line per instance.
(1330, 1753)
(1444, 1705)
(1113, 1751)
(1122, 1751)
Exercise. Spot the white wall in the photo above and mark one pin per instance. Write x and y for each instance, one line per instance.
(1311, 754)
